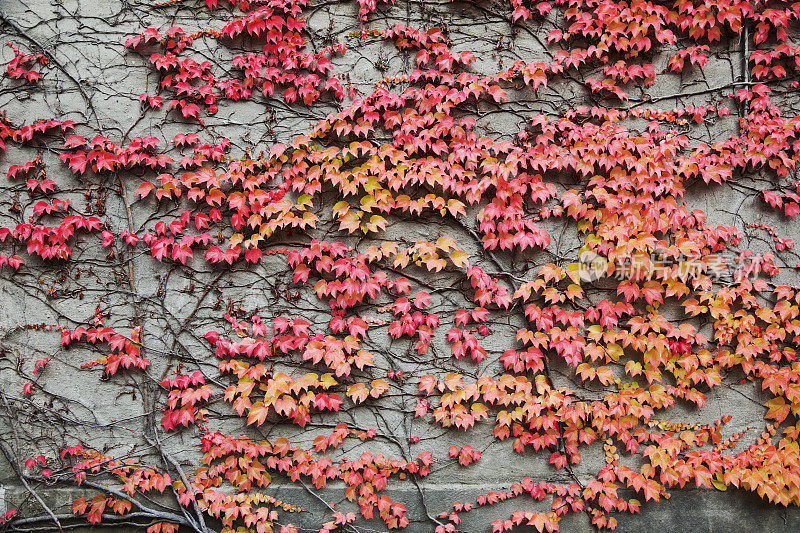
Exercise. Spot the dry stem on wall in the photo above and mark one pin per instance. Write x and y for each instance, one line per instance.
(443, 266)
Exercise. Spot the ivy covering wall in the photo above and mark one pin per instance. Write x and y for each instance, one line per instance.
(282, 265)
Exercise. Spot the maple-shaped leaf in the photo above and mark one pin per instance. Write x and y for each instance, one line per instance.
(427, 383)
(778, 409)
(358, 392)
(258, 414)
(422, 408)
(459, 258)
(497, 93)
(79, 506)
(96, 511)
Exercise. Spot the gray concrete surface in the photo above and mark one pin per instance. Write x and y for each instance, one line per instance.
(87, 39)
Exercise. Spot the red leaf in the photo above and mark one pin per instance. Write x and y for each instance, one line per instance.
(144, 189)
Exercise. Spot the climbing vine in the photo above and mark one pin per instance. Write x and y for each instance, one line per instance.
(488, 253)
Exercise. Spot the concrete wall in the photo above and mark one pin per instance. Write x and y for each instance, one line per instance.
(97, 83)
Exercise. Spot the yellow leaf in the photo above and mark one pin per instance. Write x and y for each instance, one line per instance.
(303, 201)
(358, 392)
(459, 258)
(368, 202)
(445, 243)
(236, 239)
(375, 223)
(614, 351)
(479, 409)
(378, 387)
(718, 482)
(595, 332)
(341, 208)
(327, 381)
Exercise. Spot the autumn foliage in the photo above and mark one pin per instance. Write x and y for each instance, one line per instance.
(594, 374)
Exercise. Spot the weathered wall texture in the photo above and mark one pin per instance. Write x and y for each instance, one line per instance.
(96, 82)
